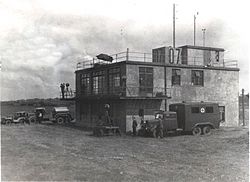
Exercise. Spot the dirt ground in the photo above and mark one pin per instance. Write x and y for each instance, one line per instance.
(59, 153)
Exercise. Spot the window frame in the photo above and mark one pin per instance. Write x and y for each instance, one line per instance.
(85, 83)
(114, 76)
(98, 85)
(197, 77)
(176, 77)
(146, 80)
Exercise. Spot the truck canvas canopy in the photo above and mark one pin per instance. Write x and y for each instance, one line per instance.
(61, 109)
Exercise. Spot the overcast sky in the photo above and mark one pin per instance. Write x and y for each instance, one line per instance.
(41, 40)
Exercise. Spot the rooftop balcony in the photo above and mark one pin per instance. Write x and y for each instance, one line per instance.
(148, 57)
(68, 95)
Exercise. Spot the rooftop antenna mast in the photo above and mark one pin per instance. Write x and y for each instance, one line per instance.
(173, 25)
(204, 36)
(195, 25)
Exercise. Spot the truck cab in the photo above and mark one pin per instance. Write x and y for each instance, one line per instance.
(168, 119)
(150, 127)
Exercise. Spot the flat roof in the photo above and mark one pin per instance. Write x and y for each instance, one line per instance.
(159, 64)
(202, 48)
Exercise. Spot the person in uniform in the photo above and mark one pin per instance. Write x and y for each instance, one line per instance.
(134, 125)
(160, 127)
(62, 89)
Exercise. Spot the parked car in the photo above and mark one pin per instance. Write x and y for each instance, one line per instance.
(18, 117)
(6, 120)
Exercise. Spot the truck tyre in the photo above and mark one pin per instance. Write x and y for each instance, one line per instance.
(60, 120)
(32, 120)
(206, 130)
(22, 121)
(7, 122)
(196, 131)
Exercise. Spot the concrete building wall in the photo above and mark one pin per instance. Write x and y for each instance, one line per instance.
(132, 81)
(220, 86)
(203, 57)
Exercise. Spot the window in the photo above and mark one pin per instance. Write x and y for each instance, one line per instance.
(195, 110)
(145, 80)
(98, 82)
(197, 77)
(176, 77)
(217, 56)
(114, 80)
(85, 84)
(209, 110)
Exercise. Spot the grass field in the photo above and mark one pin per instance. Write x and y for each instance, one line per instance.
(59, 153)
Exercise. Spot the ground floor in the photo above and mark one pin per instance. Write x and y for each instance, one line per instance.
(88, 112)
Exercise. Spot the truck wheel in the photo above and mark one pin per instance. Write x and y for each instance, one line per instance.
(32, 120)
(7, 122)
(22, 121)
(60, 120)
(196, 131)
(207, 130)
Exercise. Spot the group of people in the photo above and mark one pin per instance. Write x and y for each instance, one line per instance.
(65, 91)
(159, 127)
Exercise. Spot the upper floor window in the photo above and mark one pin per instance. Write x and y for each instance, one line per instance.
(114, 80)
(176, 77)
(98, 82)
(197, 77)
(217, 56)
(85, 83)
(145, 80)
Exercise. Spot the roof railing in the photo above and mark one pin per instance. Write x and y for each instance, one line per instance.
(148, 57)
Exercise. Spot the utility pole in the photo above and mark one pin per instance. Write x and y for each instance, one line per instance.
(173, 25)
(243, 108)
(195, 26)
(204, 36)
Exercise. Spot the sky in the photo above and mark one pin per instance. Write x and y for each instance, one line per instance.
(41, 41)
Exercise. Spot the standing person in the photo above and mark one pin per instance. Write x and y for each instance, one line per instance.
(134, 125)
(40, 117)
(62, 89)
(160, 127)
(107, 114)
(71, 93)
(67, 89)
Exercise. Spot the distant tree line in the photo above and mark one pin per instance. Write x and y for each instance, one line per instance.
(38, 102)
